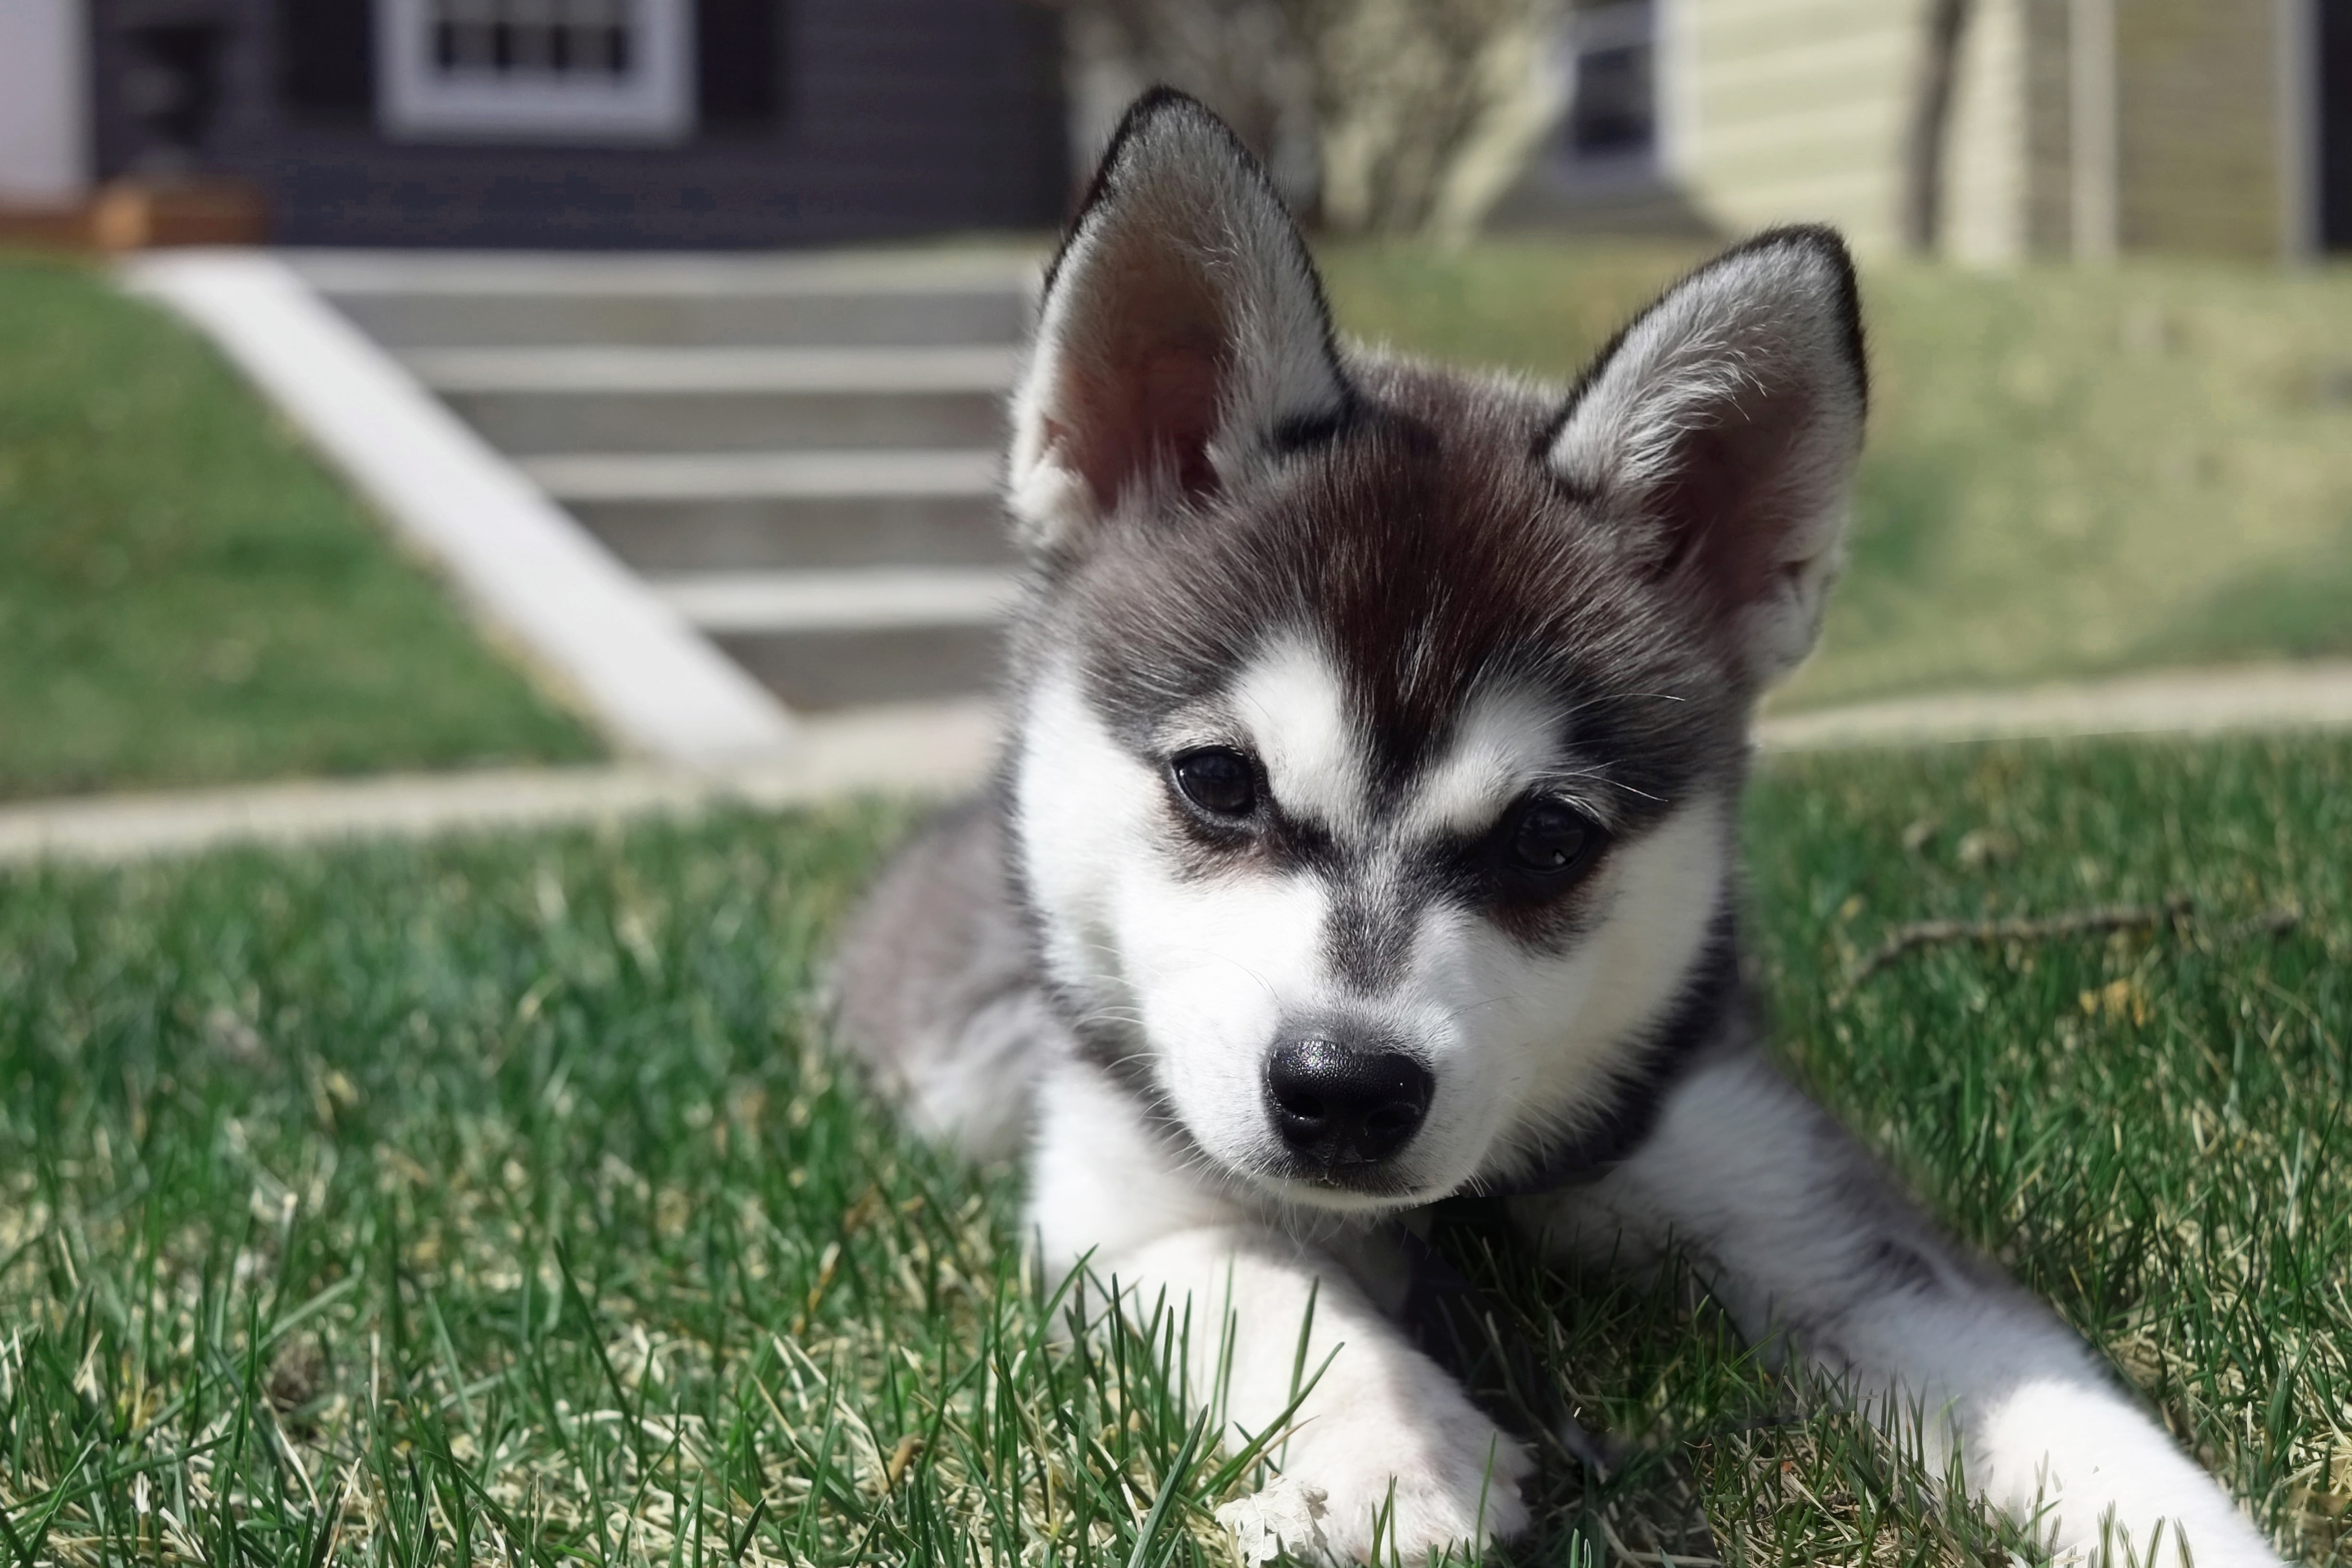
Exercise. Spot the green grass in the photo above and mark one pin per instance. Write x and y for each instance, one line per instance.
(494, 1201)
(186, 598)
(2069, 473)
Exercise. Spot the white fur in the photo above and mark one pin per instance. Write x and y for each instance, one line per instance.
(1206, 970)
(1199, 974)
(1382, 1426)
(1566, 1018)
(1300, 725)
(1506, 740)
(1756, 1186)
(1202, 970)
(962, 1095)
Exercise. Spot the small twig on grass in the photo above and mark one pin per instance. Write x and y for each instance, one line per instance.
(900, 1457)
(1904, 939)
(2271, 922)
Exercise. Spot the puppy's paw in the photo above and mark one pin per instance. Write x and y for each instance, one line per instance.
(1396, 1481)
(2101, 1485)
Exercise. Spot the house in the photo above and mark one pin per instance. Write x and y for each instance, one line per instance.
(2074, 128)
(2077, 128)
(686, 124)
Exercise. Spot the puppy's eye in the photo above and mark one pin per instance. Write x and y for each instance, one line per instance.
(1551, 839)
(1218, 780)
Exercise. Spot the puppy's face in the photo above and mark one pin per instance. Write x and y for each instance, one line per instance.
(1381, 728)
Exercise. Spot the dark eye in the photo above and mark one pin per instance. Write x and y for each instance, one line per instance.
(1218, 780)
(1552, 839)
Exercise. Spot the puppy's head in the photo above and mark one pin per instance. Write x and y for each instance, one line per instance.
(1383, 726)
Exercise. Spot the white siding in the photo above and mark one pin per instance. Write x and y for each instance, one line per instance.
(1985, 196)
(1788, 111)
(44, 115)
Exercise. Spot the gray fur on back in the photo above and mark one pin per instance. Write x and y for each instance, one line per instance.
(938, 991)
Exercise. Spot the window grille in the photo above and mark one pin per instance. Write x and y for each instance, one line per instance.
(1611, 130)
(614, 70)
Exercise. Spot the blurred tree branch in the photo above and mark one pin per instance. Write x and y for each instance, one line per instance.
(1927, 150)
(1374, 116)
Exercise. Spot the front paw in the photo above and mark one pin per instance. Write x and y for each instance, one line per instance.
(1389, 1481)
(2101, 1485)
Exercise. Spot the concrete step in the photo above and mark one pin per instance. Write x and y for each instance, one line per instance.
(767, 476)
(799, 454)
(870, 298)
(411, 321)
(665, 512)
(595, 420)
(753, 535)
(574, 368)
(874, 599)
(821, 671)
(832, 639)
(597, 399)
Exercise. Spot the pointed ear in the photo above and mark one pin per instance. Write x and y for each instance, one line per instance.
(1182, 337)
(1724, 423)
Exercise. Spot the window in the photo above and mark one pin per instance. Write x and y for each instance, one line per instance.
(574, 71)
(1613, 102)
(580, 39)
(1612, 105)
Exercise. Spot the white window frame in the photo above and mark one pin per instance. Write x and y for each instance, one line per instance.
(653, 104)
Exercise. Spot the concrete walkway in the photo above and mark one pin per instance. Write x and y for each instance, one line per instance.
(940, 748)
(2317, 696)
(926, 748)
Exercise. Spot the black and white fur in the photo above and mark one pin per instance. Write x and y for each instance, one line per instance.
(1421, 605)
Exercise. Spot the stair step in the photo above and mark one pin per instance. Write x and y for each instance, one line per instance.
(763, 476)
(426, 320)
(476, 300)
(800, 454)
(815, 671)
(710, 512)
(667, 274)
(673, 537)
(592, 420)
(872, 600)
(568, 369)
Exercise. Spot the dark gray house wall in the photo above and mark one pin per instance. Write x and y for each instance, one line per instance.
(2335, 104)
(824, 120)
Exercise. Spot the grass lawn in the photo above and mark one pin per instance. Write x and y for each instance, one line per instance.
(494, 1200)
(2069, 472)
(185, 596)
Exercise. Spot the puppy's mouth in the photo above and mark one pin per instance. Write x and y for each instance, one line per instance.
(1355, 1186)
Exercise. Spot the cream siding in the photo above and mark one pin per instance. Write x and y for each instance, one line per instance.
(1785, 111)
(2197, 128)
(2047, 67)
(1796, 110)
(1984, 212)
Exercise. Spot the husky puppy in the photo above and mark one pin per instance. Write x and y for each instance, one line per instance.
(1367, 835)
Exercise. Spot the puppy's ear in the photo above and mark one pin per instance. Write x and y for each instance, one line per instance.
(1182, 337)
(1724, 425)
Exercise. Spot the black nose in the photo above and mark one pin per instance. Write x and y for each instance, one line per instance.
(1337, 1104)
